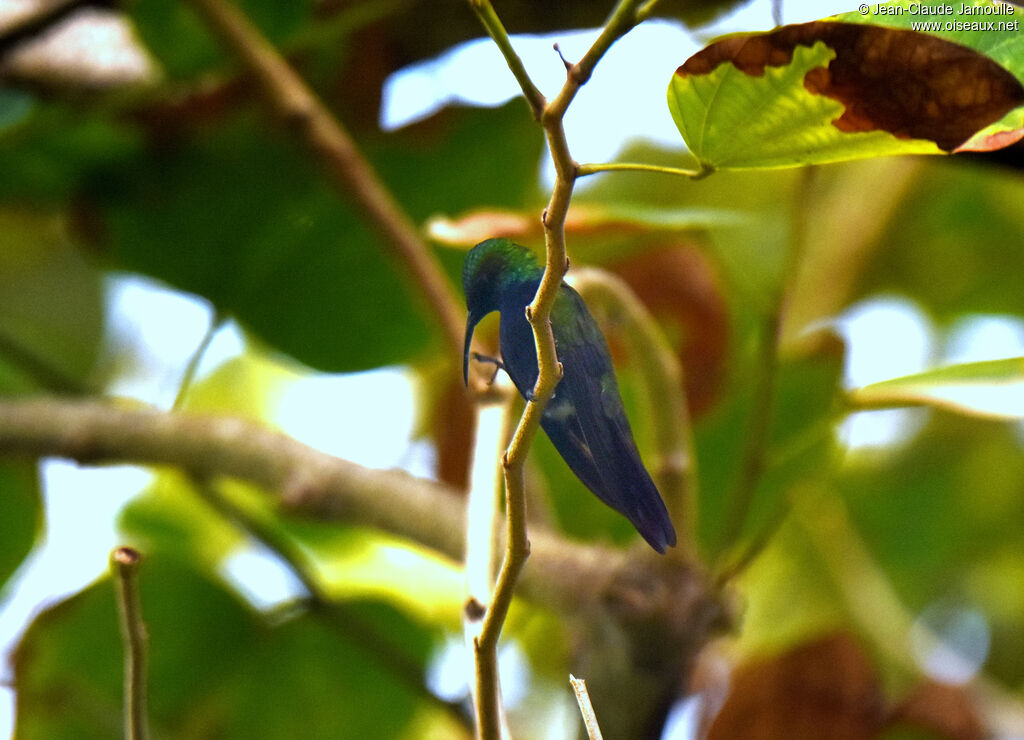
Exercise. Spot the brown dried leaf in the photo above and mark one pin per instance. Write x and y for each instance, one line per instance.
(680, 288)
(910, 84)
(946, 710)
(825, 688)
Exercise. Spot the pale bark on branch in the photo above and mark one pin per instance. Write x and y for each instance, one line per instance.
(306, 481)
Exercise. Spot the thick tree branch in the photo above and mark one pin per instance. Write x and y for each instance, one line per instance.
(352, 173)
(653, 601)
(565, 576)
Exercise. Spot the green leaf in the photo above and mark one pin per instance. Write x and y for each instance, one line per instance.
(168, 517)
(829, 91)
(215, 669)
(15, 105)
(357, 563)
(48, 149)
(949, 244)
(941, 517)
(749, 235)
(68, 666)
(306, 680)
(240, 215)
(21, 512)
(182, 42)
(993, 389)
(51, 304)
(799, 447)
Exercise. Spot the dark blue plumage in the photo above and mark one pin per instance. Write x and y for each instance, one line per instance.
(585, 418)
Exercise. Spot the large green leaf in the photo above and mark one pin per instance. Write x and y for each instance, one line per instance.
(51, 304)
(182, 42)
(798, 447)
(952, 244)
(240, 215)
(48, 148)
(993, 389)
(21, 513)
(941, 517)
(216, 670)
(832, 90)
(306, 680)
(68, 666)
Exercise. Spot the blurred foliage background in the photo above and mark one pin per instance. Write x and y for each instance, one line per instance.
(151, 154)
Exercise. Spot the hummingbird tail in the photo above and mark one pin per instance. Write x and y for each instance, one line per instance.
(654, 525)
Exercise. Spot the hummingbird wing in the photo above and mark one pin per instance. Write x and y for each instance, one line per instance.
(585, 418)
(586, 421)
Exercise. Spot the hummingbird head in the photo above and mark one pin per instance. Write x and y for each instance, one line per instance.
(490, 267)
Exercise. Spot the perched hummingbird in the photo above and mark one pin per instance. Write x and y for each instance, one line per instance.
(585, 418)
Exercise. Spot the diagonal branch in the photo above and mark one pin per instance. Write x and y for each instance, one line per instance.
(658, 601)
(314, 124)
(565, 576)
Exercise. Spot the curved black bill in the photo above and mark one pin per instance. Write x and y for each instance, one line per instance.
(471, 322)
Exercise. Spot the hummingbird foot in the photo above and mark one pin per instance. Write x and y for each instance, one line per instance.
(498, 364)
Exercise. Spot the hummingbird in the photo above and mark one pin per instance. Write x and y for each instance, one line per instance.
(585, 418)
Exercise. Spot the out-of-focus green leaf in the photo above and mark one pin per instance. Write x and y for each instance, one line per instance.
(215, 670)
(180, 39)
(747, 237)
(992, 389)
(46, 153)
(247, 385)
(14, 106)
(21, 514)
(355, 563)
(68, 666)
(829, 91)
(51, 302)
(306, 680)
(939, 517)
(788, 595)
(240, 217)
(243, 217)
(952, 243)
(800, 445)
(170, 516)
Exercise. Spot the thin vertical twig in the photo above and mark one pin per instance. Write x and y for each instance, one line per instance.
(579, 687)
(124, 562)
(538, 313)
(494, 428)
